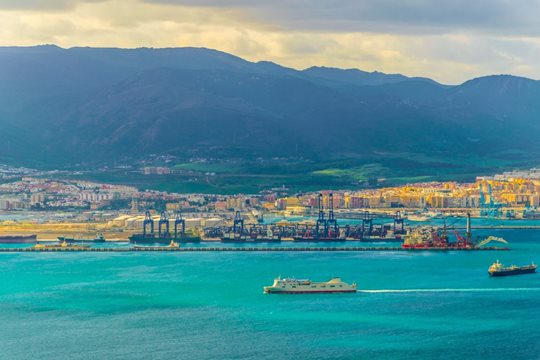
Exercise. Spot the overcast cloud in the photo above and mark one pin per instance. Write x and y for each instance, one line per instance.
(449, 41)
(393, 16)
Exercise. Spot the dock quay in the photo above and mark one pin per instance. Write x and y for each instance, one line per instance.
(246, 249)
(497, 227)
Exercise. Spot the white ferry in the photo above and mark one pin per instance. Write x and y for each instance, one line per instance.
(296, 286)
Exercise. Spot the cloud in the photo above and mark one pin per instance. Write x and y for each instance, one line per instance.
(448, 41)
(33, 5)
(388, 16)
(380, 16)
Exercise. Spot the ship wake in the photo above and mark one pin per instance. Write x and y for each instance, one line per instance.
(444, 290)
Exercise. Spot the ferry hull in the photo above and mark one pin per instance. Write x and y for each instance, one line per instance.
(294, 286)
(308, 292)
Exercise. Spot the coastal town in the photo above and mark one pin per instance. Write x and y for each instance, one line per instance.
(50, 204)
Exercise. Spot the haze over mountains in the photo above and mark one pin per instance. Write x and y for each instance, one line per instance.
(93, 105)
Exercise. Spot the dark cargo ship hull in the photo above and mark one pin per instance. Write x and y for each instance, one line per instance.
(81, 241)
(18, 239)
(380, 239)
(77, 241)
(319, 239)
(528, 270)
(249, 240)
(140, 239)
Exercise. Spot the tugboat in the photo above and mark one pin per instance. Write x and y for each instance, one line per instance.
(98, 239)
(172, 245)
(498, 269)
(295, 286)
(62, 246)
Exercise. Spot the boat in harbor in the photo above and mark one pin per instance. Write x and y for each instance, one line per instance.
(61, 246)
(297, 286)
(172, 245)
(98, 239)
(418, 217)
(17, 239)
(498, 269)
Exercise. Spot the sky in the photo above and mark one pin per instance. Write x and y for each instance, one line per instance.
(449, 41)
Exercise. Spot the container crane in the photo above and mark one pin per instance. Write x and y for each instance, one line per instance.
(163, 221)
(238, 224)
(331, 223)
(467, 240)
(399, 227)
(148, 222)
(367, 222)
(179, 220)
(321, 221)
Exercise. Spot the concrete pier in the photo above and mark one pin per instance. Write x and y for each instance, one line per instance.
(243, 249)
(497, 227)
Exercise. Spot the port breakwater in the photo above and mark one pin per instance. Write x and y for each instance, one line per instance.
(497, 227)
(247, 249)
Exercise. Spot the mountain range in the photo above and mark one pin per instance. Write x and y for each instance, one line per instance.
(61, 107)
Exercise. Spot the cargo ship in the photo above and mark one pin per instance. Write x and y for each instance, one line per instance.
(396, 239)
(18, 239)
(237, 238)
(98, 239)
(498, 269)
(295, 286)
(318, 239)
(386, 235)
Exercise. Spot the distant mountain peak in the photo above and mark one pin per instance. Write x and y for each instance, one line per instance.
(358, 77)
(501, 79)
(499, 85)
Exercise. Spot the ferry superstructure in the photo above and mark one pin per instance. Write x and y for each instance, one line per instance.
(304, 286)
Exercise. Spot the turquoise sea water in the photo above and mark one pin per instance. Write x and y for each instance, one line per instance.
(210, 305)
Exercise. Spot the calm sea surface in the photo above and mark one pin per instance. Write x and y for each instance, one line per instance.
(211, 306)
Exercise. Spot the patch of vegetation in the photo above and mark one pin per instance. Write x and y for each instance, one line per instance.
(358, 174)
(223, 167)
(300, 175)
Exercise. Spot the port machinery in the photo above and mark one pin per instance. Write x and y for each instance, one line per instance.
(229, 249)
(324, 229)
(492, 209)
(426, 237)
(163, 234)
